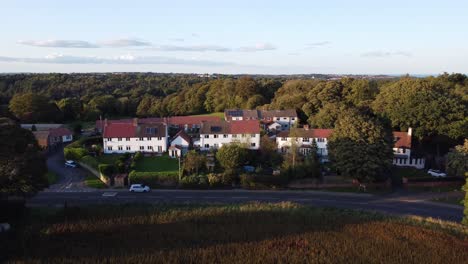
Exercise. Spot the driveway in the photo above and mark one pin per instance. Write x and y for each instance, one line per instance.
(70, 179)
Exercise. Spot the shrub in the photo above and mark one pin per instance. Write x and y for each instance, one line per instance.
(107, 169)
(154, 179)
(138, 156)
(90, 161)
(120, 166)
(74, 153)
(253, 181)
(194, 181)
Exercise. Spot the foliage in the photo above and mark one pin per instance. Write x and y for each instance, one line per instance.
(231, 157)
(194, 162)
(74, 153)
(269, 155)
(22, 167)
(258, 181)
(361, 147)
(29, 107)
(107, 170)
(457, 160)
(219, 180)
(257, 232)
(154, 179)
(52, 177)
(90, 161)
(155, 164)
(138, 156)
(194, 182)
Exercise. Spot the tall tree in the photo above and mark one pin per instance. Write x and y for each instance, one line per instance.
(22, 167)
(361, 146)
(231, 157)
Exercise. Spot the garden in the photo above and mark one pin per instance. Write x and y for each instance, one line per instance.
(240, 233)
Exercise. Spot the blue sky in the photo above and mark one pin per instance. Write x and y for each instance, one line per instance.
(356, 37)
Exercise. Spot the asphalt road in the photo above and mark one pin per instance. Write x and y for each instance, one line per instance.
(391, 204)
(70, 179)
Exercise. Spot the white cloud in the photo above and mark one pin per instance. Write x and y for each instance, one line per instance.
(257, 47)
(126, 42)
(384, 54)
(201, 48)
(177, 39)
(318, 44)
(58, 43)
(57, 58)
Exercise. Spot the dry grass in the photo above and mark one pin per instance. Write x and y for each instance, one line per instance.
(248, 233)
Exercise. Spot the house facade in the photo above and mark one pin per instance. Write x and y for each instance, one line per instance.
(283, 119)
(50, 136)
(180, 144)
(213, 135)
(303, 138)
(125, 137)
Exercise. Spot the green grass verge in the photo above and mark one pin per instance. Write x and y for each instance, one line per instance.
(253, 233)
(94, 182)
(108, 158)
(52, 177)
(157, 164)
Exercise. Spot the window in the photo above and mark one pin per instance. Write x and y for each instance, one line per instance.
(320, 140)
(119, 139)
(120, 147)
(285, 118)
(252, 135)
(148, 138)
(127, 139)
(216, 145)
(142, 147)
(207, 145)
(128, 148)
(243, 135)
(278, 119)
(305, 140)
(283, 139)
(159, 149)
(109, 139)
(150, 147)
(207, 136)
(159, 138)
(141, 139)
(293, 118)
(215, 136)
(252, 144)
(109, 148)
(234, 136)
(225, 136)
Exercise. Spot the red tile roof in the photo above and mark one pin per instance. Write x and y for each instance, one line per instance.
(119, 130)
(60, 132)
(190, 120)
(245, 127)
(183, 135)
(402, 139)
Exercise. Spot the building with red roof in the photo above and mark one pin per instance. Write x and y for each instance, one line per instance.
(214, 135)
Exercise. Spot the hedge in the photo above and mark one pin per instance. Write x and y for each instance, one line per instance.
(154, 179)
(253, 181)
(74, 153)
(107, 169)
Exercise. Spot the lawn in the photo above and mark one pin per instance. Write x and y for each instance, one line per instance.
(242, 233)
(94, 182)
(157, 164)
(218, 114)
(108, 158)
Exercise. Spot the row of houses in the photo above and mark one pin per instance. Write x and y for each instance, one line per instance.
(271, 120)
(50, 136)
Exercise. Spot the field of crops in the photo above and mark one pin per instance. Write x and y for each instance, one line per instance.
(246, 233)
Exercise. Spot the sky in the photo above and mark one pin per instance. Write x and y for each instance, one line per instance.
(235, 37)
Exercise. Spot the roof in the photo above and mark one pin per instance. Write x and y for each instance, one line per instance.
(308, 133)
(278, 113)
(42, 138)
(183, 135)
(246, 114)
(41, 126)
(119, 130)
(151, 129)
(236, 127)
(60, 132)
(402, 139)
(190, 120)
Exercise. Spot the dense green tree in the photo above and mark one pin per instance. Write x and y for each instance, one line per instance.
(231, 157)
(457, 160)
(361, 146)
(22, 167)
(70, 107)
(269, 155)
(29, 107)
(194, 162)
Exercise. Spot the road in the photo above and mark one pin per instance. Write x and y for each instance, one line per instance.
(391, 204)
(70, 179)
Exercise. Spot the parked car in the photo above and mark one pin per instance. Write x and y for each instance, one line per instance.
(436, 173)
(71, 164)
(139, 188)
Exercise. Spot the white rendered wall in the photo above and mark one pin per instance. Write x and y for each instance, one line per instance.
(218, 142)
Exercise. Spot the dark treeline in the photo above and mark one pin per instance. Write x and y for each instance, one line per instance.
(432, 105)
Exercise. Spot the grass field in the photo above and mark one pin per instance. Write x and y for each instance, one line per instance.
(157, 164)
(94, 182)
(246, 233)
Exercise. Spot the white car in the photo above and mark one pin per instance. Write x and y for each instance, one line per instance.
(436, 173)
(71, 164)
(139, 188)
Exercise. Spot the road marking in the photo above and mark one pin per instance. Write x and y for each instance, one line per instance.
(109, 194)
(239, 197)
(183, 197)
(210, 197)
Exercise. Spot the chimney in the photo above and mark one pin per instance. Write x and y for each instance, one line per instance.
(135, 121)
(306, 127)
(410, 131)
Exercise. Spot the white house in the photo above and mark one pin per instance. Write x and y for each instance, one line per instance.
(303, 138)
(285, 118)
(180, 144)
(126, 137)
(214, 135)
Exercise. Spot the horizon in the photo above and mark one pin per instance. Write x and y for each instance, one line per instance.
(245, 37)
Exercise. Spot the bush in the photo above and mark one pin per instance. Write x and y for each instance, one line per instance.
(74, 153)
(90, 161)
(194, 181)
(154, 179)
(107, 170)
(253, 181)
(218, 180)
(120, 166)
(138, 156)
